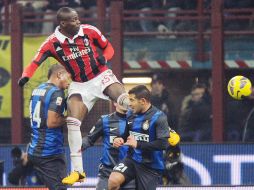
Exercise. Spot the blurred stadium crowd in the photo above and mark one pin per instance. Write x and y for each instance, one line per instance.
(88, 8)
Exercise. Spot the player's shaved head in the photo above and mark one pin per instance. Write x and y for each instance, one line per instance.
(54, 69)
(64, 13)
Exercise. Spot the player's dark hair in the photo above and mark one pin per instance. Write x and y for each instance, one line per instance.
(62, 13)
(54, 69)
(141, 91)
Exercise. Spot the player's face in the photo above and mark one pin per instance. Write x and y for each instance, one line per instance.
(71, 24)
(136, 104)
(64, 79)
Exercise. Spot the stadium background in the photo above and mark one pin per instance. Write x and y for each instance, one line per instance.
(204, 48)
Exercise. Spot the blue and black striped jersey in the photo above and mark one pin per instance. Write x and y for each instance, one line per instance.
(46, 141)
(147, 128)
(108, 127)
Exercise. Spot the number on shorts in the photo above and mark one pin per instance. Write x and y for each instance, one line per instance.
(35, 117)
(106, 79)
(120, 167)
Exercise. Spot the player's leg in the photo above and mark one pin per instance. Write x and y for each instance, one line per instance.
(129, 186)
(146, 178)
(115, 180)
(113, 89)
(102, 183)
(103, 175)
(116, 92)
(76, 111)
(122, 173)
(50, 170)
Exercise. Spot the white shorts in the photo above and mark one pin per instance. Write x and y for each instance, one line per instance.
(92, 90)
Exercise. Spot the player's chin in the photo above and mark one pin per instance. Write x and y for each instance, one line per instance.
(76, 29)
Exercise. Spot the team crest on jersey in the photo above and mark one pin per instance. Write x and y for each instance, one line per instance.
(86, 42)
(59, 101)
(145, 125)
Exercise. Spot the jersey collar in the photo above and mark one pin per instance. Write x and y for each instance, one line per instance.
(62, 37)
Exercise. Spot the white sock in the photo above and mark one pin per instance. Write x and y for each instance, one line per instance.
(123, 100)
(75, 143)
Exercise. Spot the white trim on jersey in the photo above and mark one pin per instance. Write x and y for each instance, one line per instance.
(62, 37)
(92, 28)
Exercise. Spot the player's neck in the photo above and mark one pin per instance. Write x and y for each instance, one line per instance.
(54, 82)
(146, 107)
(65, 33)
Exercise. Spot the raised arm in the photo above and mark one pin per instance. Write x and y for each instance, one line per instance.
(42, 54)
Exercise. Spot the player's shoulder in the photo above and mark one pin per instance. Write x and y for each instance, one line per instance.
(49, 40)
(157, 112)
(111, 115)
(54, 89)
(46, 88)
(154, 111)
(106, 116)
(57, 91)
(90, 28)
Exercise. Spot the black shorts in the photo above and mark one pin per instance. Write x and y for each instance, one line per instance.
(104, 173)
(50, 170)
(146, 178)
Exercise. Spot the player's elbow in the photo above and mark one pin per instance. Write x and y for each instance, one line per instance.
(109, 52)
(112, 52)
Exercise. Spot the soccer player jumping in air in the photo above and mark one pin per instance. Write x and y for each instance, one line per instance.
(74, 46)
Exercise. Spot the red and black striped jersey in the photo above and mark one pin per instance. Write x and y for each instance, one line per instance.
(78, 55)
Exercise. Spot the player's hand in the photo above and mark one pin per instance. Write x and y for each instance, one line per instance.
(131, 141)
(22, 81)
(117, 142)
(174, 138)
(102, 60)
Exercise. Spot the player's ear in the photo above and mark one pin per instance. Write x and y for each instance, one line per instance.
(62, 23)
(142, 101)
(59, 75)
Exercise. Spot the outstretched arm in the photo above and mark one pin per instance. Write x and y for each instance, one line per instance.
(43, 53)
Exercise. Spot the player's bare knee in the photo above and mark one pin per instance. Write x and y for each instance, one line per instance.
(113, 184)
(114, 181)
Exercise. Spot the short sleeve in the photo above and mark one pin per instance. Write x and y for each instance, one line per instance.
(57, 102)
(98, 37)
